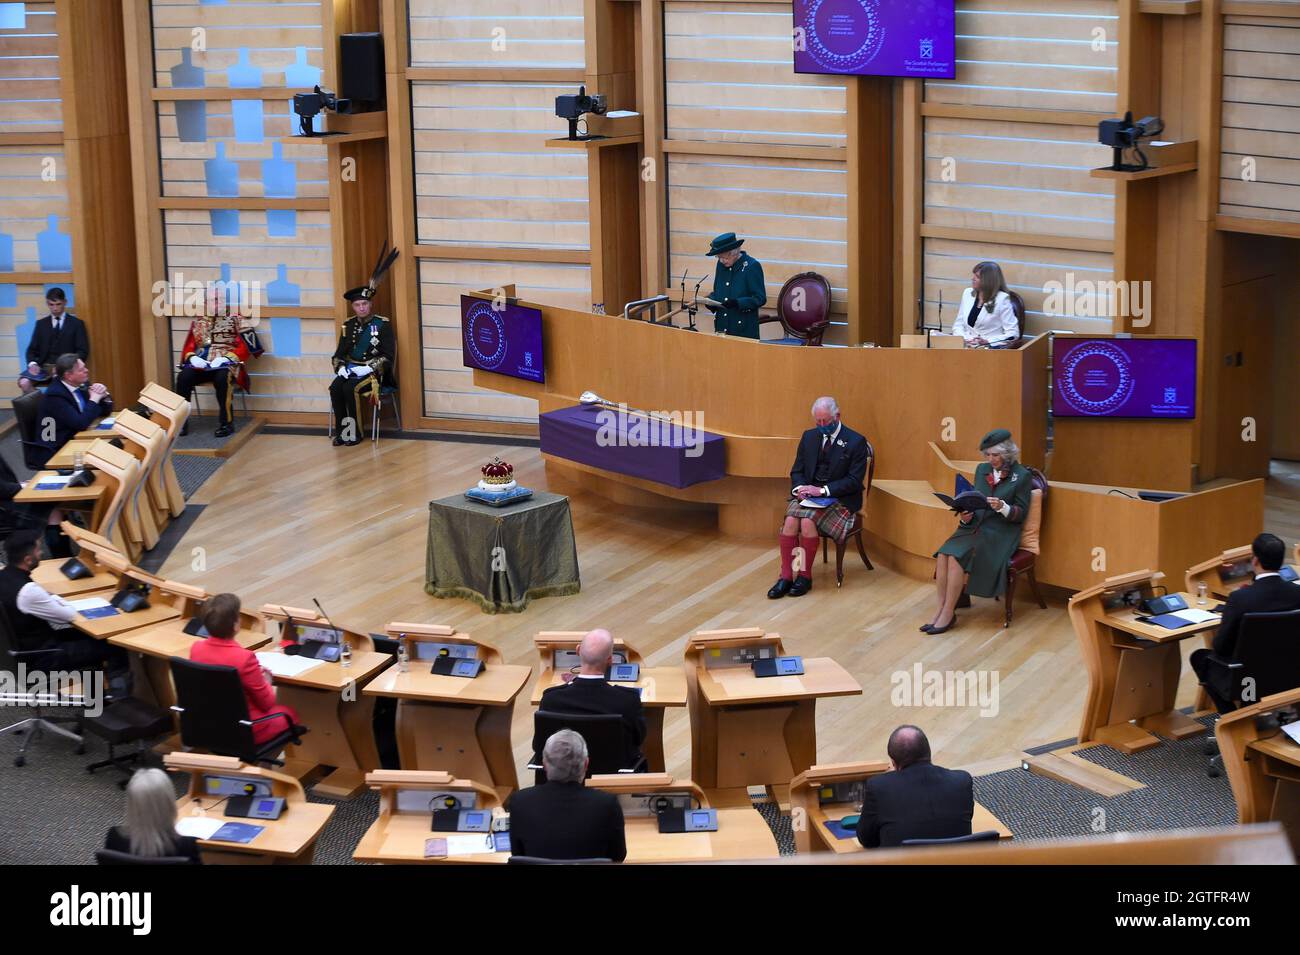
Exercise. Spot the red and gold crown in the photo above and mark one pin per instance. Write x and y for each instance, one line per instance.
(497, 471)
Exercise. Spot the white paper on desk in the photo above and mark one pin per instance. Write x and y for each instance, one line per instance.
(281, 665)
(467, 844)
(200, 827)
(87, 603)
(1293, 730)
(1192, 615)
(60, 479)
(107, 422)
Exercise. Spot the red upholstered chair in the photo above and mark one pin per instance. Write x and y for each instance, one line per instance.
(855, 533)
(806, 325)
(1023, 560)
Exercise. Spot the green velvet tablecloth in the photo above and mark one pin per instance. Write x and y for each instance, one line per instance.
(501, 557)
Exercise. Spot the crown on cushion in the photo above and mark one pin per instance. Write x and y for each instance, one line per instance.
(497, 471)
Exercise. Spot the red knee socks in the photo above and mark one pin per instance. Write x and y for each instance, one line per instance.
(809, 545)
(788, 544)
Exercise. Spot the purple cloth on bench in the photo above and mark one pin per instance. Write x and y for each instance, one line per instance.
(664, 452)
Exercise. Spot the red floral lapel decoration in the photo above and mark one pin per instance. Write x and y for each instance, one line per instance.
(993, 482)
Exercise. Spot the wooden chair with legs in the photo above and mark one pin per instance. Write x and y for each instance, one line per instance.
(1022, 561)
(855, 532)
(171, 411)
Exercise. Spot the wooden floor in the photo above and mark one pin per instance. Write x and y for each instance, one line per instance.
(291, 518)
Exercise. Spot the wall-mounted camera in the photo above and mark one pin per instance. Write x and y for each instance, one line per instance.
(1126, 136)
(574, 108)
(309, 105)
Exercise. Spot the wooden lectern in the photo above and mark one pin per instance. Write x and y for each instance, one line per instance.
(1263, 764)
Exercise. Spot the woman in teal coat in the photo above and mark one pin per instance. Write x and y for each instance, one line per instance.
(984, 541)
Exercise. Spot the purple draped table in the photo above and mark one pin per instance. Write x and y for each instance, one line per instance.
(675, 453)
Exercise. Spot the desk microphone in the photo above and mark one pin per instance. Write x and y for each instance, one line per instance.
(292, 649)
(327, 618)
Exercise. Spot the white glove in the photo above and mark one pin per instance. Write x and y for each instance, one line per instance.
(197, 362)
(343, 371)
(218, 361)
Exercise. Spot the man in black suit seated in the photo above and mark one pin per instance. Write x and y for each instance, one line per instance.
(69, 405)
(918, 800)
(1268, 593)
(591, 693)
(562, 818)
(831, 462)
(56, 334)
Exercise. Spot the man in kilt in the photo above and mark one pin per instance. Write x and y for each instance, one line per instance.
(831, 463)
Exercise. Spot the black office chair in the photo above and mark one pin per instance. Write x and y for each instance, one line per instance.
(1267, 663)
(124, 722)
(987, 835)
(27, 412)
(113, 857)
(214, 714)
(607, 749)
(42, 701)
(538, 860)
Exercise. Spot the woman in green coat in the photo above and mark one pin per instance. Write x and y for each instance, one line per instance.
(984, 541)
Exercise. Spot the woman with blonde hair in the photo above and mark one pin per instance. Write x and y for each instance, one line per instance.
(986, 317)
(150, 829)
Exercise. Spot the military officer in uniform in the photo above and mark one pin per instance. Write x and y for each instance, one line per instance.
(363, 361)
(738, 288)
(214, 352)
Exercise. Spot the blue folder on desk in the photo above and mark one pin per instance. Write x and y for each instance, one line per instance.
(94, 613)
(839, 832)
(52, 486)
(240, 832)
(1169, 621)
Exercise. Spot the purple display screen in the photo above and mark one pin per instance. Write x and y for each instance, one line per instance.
(506, 339)
(876, 37)
(1124, 377)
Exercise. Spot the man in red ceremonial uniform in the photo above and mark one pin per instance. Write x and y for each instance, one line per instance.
(215, 351)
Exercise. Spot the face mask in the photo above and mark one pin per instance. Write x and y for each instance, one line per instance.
(827, 429)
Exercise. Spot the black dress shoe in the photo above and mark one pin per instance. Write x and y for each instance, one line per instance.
(338, 441)
(224, 431)
(937, 630)
(779, 589)
(801, 586)
(353, 443)
(185, 429)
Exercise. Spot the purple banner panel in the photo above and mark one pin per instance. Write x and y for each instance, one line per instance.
(672, 452)
(876, 37)
(1124, 377)
(502, 337)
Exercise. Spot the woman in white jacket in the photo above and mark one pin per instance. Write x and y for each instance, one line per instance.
(986, 317)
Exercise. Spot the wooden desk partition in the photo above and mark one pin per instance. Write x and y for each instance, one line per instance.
(1221, 574)
(1263, 764)
(400, 834)
(750, 731)
(759, 396)
(742, 833)
(661, 687)
(330, 700)
(816, 799)
(1133, 668)
(455, 724)
(291, 839)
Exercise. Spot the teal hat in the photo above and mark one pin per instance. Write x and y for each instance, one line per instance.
(996, 436)
(725, 243)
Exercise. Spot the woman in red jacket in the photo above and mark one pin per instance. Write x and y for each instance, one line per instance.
(220, 617)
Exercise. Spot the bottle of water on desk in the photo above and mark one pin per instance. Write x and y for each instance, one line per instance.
(345, 653)
(403, 657)
(1201, 590)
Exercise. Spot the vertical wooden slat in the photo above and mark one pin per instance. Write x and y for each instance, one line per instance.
(909, 159)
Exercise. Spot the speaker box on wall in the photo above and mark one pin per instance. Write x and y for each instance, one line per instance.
(361, 70)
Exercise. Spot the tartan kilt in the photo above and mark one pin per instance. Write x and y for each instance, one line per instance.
(834, 522)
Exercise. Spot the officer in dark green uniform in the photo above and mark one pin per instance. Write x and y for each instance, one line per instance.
(363, 361)
(738, 288)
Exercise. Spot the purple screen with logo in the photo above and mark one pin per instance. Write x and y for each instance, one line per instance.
(1124, 377)
(507, 340)
(876, 37)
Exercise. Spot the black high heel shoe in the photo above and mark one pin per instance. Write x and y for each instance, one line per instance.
(932, 630)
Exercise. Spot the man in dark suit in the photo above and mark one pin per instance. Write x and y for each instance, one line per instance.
(917, 800)
(1268, 593)
(591, 693)
(69, 405)
(831, 463)
(56, 334)
(562, 818)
